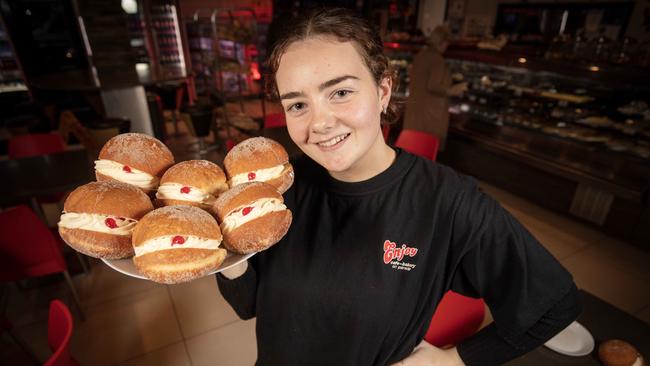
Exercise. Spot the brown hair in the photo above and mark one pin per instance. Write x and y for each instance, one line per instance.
(345, 26)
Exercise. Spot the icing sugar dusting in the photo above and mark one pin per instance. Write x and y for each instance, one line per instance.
(228, 195)
(100, 189)
(185, 171)
(184, 214)
(252, 147)
(137, 146)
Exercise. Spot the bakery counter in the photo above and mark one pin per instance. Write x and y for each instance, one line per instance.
(608, 189)
(532, 58)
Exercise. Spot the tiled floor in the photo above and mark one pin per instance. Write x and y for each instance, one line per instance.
(135, 322)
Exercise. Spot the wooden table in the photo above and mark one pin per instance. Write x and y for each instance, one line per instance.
(604, 321)
(27, 178)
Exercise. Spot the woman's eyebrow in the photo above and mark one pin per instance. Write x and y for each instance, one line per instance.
(335, 81)
(321, 87)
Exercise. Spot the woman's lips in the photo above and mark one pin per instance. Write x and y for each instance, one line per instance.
(332, 143)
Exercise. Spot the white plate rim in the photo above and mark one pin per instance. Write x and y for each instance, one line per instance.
(126, 266)
(585, 337)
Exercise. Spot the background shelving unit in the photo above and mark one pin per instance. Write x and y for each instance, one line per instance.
(11, 75)
(224, 51)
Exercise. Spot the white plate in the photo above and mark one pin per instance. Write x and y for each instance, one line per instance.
(127, 267)
(574, 340)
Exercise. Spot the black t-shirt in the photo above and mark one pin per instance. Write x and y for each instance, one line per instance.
(359, 274)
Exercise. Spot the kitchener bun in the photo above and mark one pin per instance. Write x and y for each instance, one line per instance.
(252, 216)
(98, 206)
(615, 352)
(255, 154)
(137, 151)
(175, 244)
(185, 178)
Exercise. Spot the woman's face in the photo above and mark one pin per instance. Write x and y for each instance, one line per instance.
(333, 107)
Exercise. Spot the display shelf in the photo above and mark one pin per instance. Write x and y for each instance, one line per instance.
(224, 57)
(571, 141)
(12, 78)
(556, 105)
(219, 46)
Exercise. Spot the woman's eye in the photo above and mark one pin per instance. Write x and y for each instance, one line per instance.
(341, 93)
(296, 107)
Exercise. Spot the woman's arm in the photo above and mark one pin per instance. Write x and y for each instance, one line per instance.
(488, 347)
(531, 296)
(238, 285)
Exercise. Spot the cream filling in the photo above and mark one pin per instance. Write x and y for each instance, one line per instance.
(135, 177)
(96, 222)
(167, 242)
(256, 209)
(261, 175)
(638, 361)
(173, 191)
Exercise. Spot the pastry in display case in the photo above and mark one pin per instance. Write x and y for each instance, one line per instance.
(579, 110)
(569, 137)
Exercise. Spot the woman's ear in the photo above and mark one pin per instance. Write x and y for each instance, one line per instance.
(385, 89)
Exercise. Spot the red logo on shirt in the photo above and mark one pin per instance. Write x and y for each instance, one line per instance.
(392, 252)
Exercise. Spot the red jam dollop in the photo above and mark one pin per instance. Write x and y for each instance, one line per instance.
(178, 240)
(110, 222)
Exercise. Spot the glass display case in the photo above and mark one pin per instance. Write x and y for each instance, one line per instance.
(11, 75)
(600, 116)
(571, 137)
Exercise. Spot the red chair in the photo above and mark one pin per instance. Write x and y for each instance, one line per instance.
(419, 143)
(29, 249)
(274, 120)
(24, 146)
(456, 318)
(59, 332)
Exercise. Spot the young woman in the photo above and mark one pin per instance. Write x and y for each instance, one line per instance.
(379, 235)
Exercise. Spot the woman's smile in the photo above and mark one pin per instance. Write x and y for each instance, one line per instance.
(332, 143)
(333, 107)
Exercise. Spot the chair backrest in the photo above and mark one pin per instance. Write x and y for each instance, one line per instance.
(35, 144)
(456, 318)
(274, 120)
(59, 332)
(28, 248)
(419, 143)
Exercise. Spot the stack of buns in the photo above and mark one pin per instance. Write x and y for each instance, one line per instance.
(201, 207)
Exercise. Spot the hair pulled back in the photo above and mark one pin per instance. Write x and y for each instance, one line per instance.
(343, 25)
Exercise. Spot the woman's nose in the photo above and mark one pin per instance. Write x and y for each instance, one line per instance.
(323, 120)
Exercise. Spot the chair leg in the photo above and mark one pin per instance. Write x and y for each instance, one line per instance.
(23, 345)
(74, 294)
